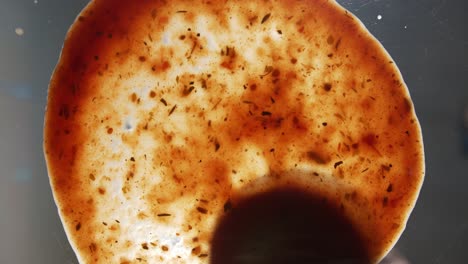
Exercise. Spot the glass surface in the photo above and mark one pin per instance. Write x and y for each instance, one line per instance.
(427, 39)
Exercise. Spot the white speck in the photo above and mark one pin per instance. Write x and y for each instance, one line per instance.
(19, 31)
(129, 124)
(406, 26)
(379, 17)
(35, 1)
(165, 39)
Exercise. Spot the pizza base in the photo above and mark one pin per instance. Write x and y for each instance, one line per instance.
(159, 114)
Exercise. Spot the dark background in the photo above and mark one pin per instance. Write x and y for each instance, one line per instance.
(427, 39)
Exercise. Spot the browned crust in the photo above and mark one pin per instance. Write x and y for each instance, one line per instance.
(272, 120)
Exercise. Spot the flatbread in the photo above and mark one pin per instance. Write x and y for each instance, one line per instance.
(163, 117)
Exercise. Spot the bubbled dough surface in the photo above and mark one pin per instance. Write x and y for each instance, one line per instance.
(158, 114)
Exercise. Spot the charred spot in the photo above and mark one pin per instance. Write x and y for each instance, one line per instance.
(101, 191)
(385, 201)
(317, 157)
(187, 90)
(64, 111)
(267, 71)
(202, 210)
(163, 215)
(110, 130)
(293, 60)
(275, 73)
(330, 40)
(196, 251)
(142, 58)
(152, 94)
(74, 89)
(165, 248)
(252, 19)
(92, 247)
(229, 62)
(216, 144)
(265, 18)
(161, 66)
(227, 206)
(172, 110)
(370, 139)
(253, 87)
(367, 103)
(165, 65)
(406, 106)
(133, 97)
(385, 167)
(351, 196)
(154, 13)
(327, 87)
(203, 84)
(338, 43)
(390, 188)
(337, 164)
(298, 124)
(144, 246)
(270, 122)
(78, 226)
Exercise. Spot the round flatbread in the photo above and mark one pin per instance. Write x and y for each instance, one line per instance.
(168, 123)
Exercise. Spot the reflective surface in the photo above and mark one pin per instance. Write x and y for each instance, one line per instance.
(427, 39)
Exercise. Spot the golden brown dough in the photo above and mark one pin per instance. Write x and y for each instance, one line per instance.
(162, 113)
